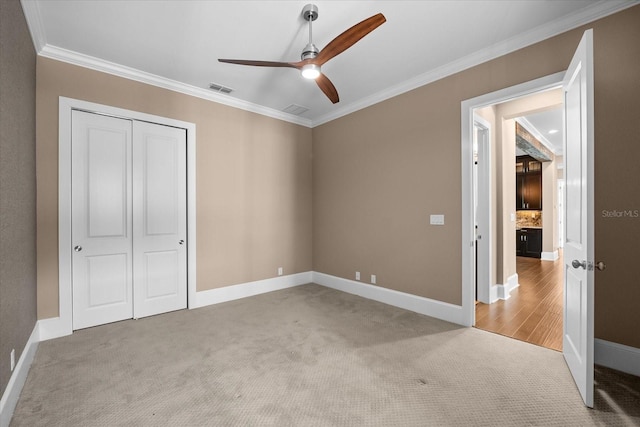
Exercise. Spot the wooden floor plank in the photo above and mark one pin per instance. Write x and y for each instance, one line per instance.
(533, 312)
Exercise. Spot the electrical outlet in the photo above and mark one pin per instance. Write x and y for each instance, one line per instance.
(373, 279)
(357, 275)
(13, 359)
(280, 271)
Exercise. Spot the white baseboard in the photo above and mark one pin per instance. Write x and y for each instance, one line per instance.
(54, 327)
(438, 309)
(503, 292)
(617, 356)
(243, 290)
(549, 256)
(18, 377)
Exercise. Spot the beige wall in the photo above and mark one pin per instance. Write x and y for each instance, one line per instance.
(17, 185)
(377, 176)
(507, 195)
(253, 180)
(379, 172)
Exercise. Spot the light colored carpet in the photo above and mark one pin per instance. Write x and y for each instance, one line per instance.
(308, 356)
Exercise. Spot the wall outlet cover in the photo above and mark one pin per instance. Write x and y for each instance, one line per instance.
(437, 219)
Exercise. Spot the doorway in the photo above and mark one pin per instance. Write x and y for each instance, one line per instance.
(525, 296)
(503, 277)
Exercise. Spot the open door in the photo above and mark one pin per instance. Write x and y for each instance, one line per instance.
(577, 343)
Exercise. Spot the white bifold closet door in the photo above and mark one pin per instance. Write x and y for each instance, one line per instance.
(128, 219)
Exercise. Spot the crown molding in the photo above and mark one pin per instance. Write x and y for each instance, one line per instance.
(598, 10)
(31, 11)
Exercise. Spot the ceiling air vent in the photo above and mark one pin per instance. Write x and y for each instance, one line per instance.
(295, 109)
(220, 88)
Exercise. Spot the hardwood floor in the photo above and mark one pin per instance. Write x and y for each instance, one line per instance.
(533, 313)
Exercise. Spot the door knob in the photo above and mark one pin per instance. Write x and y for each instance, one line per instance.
(600, 265)
(77, 248)
(181, 242)
(577, 264)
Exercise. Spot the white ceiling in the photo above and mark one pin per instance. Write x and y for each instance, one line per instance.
(176, 44)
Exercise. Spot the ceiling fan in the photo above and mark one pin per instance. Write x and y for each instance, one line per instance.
(312, 59)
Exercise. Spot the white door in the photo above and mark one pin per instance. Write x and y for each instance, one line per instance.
(483, 211)
(101, 220)
(128, 219)
(160, 219)
(577, 344)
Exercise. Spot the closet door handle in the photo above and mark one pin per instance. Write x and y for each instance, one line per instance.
(181, 242)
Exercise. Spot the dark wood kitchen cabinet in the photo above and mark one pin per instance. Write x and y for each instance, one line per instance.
(529, 242)
(528, 183)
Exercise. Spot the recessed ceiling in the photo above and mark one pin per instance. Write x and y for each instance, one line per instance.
(176, 44)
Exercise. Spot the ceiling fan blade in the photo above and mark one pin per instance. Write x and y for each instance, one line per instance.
(328, 88)
(348, 38)
(260, 63)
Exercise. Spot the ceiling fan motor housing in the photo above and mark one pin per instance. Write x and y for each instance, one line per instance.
(310, 51)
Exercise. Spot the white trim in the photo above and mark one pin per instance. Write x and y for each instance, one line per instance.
(112, 68)
(617, 356)
(503, 292)
(549, 256)
(18, 377)
(484, 289)
(598, 10)
(62, 325)
(54, 327)
(243, 290)
(468, 226)
(438, 309)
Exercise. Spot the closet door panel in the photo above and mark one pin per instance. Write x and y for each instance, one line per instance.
(160, 219)
(101, 219)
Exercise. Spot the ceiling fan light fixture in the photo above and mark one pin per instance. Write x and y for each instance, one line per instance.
(310, 71)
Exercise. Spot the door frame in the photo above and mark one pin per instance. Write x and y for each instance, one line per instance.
(484, 249)
(64, 324)
(468, 222)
